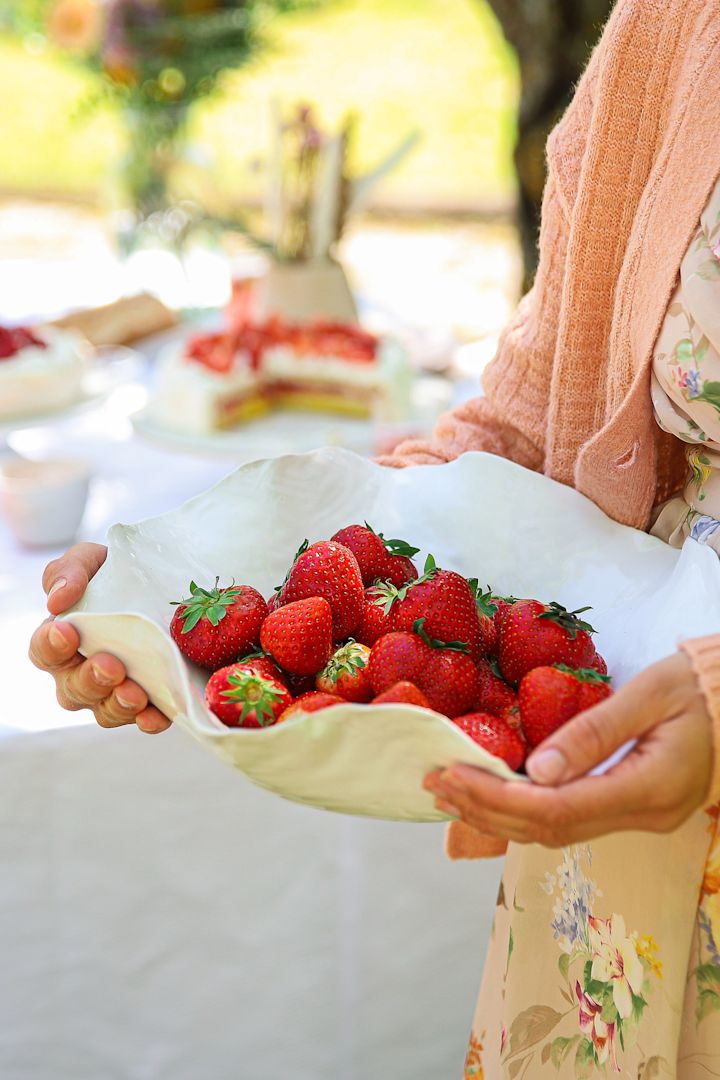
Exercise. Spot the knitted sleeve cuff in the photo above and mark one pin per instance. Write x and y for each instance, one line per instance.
(704, 654)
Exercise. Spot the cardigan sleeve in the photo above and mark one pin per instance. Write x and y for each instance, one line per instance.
(510, 418)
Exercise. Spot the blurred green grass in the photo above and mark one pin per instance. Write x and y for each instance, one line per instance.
(439, 65)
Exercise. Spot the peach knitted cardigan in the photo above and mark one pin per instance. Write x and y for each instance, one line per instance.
(631, 166)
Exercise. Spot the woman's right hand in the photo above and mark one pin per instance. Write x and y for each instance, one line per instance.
(99, 682)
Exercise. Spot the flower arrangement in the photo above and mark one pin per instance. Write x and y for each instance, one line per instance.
(154, 59)
(311, 189)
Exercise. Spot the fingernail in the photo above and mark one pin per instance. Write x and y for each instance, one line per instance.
(56, 637)
(124, 703)
(102, 676)
(546, 767)
(57, 586)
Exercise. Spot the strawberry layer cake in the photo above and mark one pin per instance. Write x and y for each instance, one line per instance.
(218, 380)
(40, 369)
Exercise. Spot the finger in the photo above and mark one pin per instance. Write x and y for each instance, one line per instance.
(66, 579)
(122, 705)
(152, 721)
(89, 682)
(53, 645)
(591, 737)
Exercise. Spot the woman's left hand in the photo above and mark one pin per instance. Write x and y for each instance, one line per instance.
(663, 779)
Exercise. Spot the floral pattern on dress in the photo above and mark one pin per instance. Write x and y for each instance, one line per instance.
(473, 1060)
(606, 978)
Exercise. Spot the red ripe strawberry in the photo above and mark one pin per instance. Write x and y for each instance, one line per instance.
(215, 626)
(329, 570)
(598, 663)
(345, 673)
(264, 665)
(312, 702)
(274, 602)
(444, 600)
(550, 696)
(379, 559)
(241, 697)
(535, 635)
(396, 657)
(487, 606)
(299, 635)
(374, 621)
(405, 693)
(450, 682)
(494, 696)
(495, 736)
(368, 549)
(502, 605)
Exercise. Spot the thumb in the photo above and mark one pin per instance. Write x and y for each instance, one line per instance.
(592, 736)
(66, 579)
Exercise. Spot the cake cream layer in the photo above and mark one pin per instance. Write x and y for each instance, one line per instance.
(36, 379)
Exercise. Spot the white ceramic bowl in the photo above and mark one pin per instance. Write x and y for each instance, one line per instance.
(481, 515)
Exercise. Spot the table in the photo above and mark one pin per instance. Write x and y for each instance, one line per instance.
(163, 919)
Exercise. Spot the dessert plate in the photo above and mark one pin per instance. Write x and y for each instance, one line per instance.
(296, 432)
(480, 515)
(111, 366)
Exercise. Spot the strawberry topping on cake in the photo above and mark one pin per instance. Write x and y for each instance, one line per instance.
(16, 338)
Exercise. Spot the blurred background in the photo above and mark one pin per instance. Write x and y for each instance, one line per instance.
(181, 167)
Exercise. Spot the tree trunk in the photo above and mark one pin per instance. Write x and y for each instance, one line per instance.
(553, 40)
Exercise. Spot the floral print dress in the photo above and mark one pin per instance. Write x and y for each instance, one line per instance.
(604, 958)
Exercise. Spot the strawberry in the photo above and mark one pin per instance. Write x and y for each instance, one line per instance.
(443, 599)
(241, 697)
(308, 703)
(450, 682)
(368, 549)
(396, 657)
(379, 559)
(403, 692)
(374, 622)
(598, 662)
(263, 664)
(274, 602)
(215, 626)
(535, 635)
(299, 635)
(446, 675)
(487, 606)
(550, 696)
(502, 605)
(329, 570)
(495, 736)
(495, 696)
(345, 673)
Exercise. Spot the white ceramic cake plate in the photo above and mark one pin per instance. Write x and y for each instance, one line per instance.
(480, 514)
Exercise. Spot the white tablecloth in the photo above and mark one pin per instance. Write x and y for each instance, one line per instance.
(162, 919)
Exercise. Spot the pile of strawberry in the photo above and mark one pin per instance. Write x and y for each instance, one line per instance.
(353, 621)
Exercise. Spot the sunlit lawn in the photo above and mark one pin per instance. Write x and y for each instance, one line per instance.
(440, 65)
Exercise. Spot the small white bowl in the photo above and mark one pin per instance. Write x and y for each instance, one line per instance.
(44, 501)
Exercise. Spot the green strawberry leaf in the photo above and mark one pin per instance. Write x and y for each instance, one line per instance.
(429, 568)
(567, 619)
(435, 643)
(586, 675)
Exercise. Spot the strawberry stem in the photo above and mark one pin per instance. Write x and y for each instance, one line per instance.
(567, 619)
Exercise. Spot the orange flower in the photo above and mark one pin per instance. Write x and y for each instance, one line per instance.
(473, 1062)
(75, 24)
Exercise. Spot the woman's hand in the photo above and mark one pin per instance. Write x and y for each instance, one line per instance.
(98, 683)
(655, 787)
